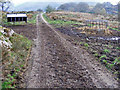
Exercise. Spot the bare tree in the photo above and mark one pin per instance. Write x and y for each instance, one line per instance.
(5, 5)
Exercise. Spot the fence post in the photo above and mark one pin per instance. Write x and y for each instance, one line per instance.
(0, 54)
(1, 76)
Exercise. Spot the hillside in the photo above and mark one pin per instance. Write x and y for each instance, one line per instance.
(28, 6)
(99, 8)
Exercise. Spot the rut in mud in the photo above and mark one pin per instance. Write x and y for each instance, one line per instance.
(57, 63)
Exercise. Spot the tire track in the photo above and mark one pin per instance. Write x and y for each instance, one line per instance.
(57, 63)
(99, 74)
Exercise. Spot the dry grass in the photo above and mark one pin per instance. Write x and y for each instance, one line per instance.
(15, 61)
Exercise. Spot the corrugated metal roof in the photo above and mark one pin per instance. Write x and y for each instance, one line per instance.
(16, 15)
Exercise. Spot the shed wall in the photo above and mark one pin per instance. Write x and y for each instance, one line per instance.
(16, 19)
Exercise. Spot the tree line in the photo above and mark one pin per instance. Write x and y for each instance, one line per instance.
(99, 8)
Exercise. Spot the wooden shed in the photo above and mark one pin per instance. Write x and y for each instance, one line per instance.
(16, 17)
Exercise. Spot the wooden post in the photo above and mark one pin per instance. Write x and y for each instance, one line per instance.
(26, 19)
(15, 19)
(18, 18)
(22, 18)
(11, 19)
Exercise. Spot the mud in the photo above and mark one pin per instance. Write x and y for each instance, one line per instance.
(95, 45)
(27, 30)
(58, 63)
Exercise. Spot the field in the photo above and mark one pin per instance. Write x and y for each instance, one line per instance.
(83, 17)
(61, 49)
(100, 41)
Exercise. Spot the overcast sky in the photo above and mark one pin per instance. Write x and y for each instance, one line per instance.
(17, 2)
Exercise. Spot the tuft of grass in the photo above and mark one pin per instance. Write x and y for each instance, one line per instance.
(110, 66)
(96, 54)
(105, 61)
(116, 61)
(9, 81)
(103, 56)
(118, 48)
(106, 51)
(86, 45)
(81, 43)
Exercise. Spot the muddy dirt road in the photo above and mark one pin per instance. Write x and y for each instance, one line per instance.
(58, 63)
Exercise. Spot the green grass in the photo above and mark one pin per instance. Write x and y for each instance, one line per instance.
(103, 56)
(114, 29)
(15, 59)
(95, 54)
(32, 20)
(118, 48)
(59, 22)
(110, 66)
(14, 23)
(105, 61)
(86, 45)
(116, 61)
(106, 51)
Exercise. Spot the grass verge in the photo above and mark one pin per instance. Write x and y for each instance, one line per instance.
(59, 22)
(15, 61)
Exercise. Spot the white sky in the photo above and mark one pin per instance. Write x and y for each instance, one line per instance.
(17, 2)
